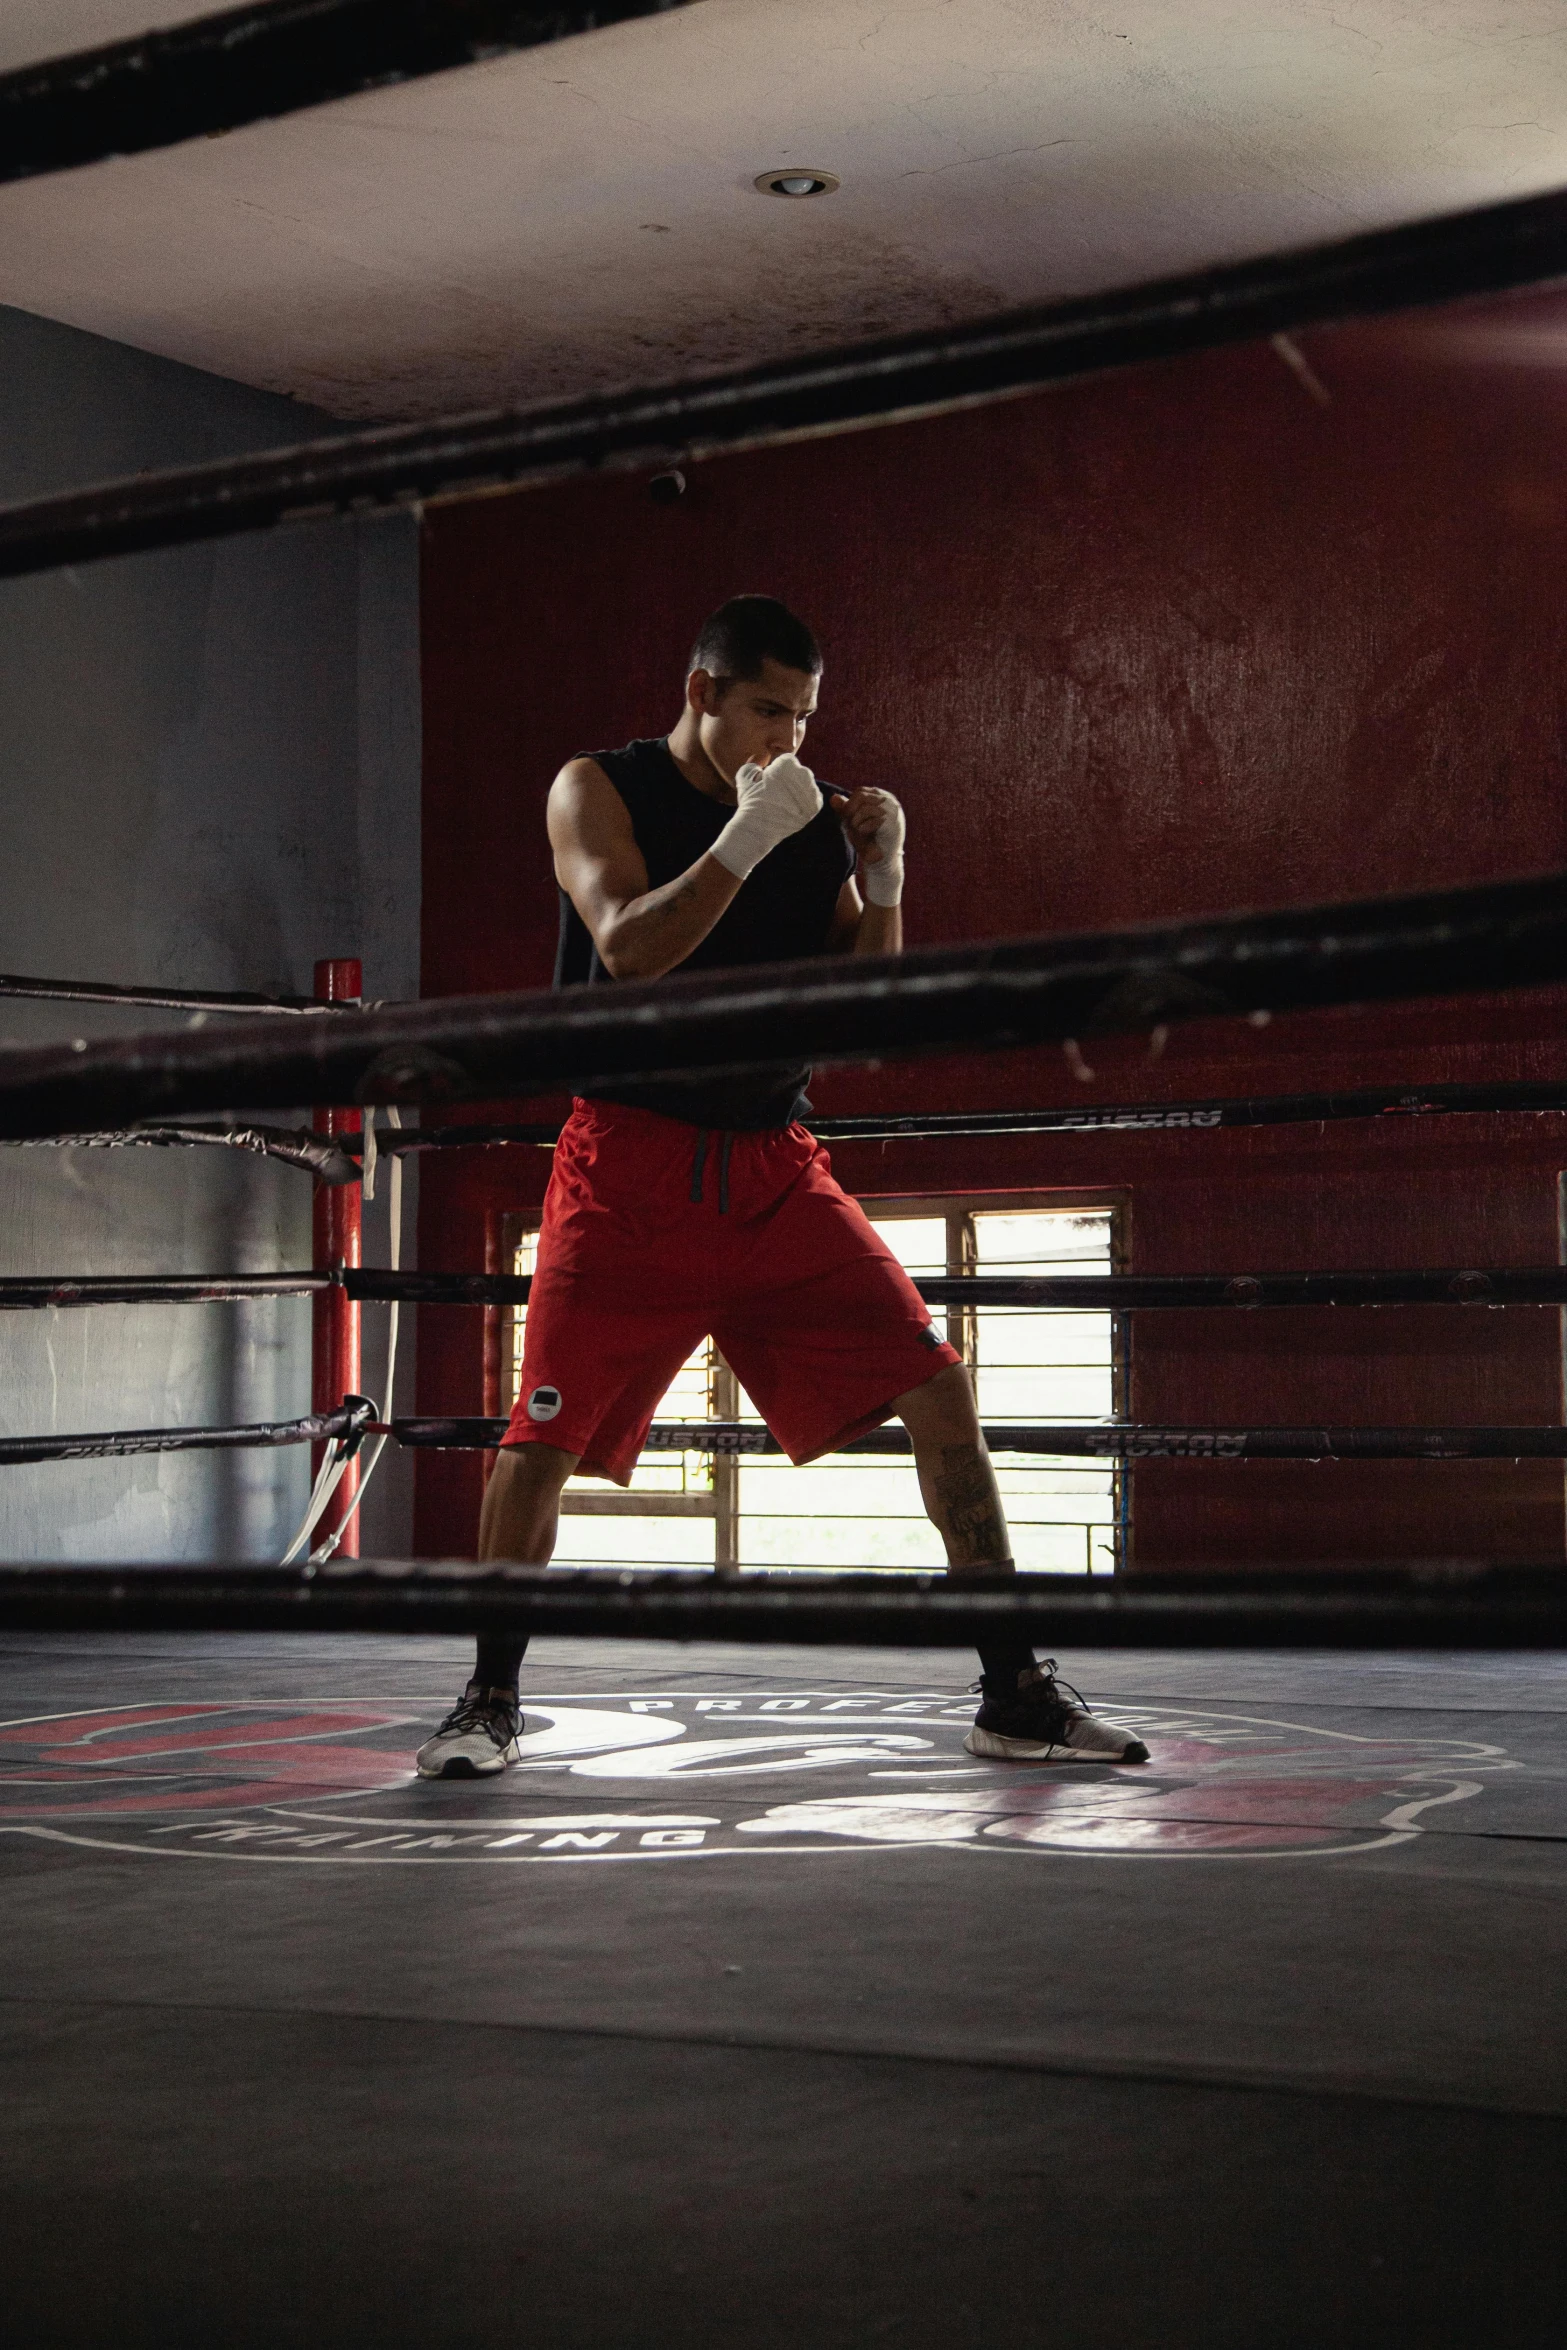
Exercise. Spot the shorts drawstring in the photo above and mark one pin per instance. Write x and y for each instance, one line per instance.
(699, 1167)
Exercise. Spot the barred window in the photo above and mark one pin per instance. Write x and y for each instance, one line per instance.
(1029, 1366)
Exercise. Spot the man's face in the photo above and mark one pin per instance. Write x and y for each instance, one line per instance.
(741, 718)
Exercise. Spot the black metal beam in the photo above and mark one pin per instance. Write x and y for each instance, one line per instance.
(252, 64)
(1123, 1441)
(1442, 1605)
(835, 1008)
(1482, 251)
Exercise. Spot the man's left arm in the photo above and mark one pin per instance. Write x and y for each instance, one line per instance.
(872, 925)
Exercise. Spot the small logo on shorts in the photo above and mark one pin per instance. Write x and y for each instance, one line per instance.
(928, 1336)
(544, 1403)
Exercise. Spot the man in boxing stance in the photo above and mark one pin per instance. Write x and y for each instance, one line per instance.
(701, 1206)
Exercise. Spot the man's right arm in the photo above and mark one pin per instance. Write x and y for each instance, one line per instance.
(640, 933)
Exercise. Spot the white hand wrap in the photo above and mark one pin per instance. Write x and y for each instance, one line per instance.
(884, 880)
(774, 802)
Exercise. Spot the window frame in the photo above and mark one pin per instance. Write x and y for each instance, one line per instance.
(721, 1503)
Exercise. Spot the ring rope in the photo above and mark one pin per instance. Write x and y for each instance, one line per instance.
(356, 1418)
(30, 1293)
(1100, 1440)
(1286, 1109)
(1075, 1293)
(1446, 1605)
(334, 1159)
(1543, 1285)
(167, 999)
(323, 1156)
(349, 1423)
(993, 996)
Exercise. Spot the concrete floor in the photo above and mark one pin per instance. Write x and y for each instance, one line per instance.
(750, 2011)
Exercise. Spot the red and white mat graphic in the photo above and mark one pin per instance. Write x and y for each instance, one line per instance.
(763, 1773)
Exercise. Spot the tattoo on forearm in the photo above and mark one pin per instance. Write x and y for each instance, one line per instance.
(970, 1506)
(674, 901)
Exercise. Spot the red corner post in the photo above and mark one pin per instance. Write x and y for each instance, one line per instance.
(335, 1362)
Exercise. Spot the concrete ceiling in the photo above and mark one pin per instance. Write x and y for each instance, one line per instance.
(583, 215)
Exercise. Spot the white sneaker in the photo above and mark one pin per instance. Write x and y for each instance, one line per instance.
(1038, 1724)
(478, 1736)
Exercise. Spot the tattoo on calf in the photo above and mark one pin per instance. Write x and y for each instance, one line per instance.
(965, 1491)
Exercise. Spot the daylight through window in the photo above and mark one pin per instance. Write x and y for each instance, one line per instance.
(852, 1510)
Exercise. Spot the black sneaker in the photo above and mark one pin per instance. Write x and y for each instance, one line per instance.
(1048, 1721)
(478, 1736)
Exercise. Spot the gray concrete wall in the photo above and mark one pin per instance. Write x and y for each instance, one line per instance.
(209, 776)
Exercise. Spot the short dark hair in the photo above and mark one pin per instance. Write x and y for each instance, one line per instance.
(735, 640)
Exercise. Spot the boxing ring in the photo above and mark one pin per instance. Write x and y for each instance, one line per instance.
(749, 2007)
(163, 1088)
(1045, 990)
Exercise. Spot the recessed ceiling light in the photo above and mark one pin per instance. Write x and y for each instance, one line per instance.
(796, 182)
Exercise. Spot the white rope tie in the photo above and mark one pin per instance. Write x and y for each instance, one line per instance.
(328, 1478)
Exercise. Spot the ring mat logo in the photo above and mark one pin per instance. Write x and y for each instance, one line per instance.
(758, 1773)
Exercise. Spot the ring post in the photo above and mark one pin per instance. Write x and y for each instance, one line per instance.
(338, 1222)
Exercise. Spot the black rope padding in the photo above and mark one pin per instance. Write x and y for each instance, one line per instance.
(1279, 1109)
(321, 1155)
(1544, 1285)
(1438, 1605)
(334, 1159)
(165, 999)
(1275, 1109)
(844, 1008)
(25, 1292)
(255, 63)
(337, 1159)
(350, 1423)
(355, 1418)
(1101, 1441)
(1484, 250)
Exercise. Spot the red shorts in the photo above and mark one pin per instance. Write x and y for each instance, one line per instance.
(657, 1236)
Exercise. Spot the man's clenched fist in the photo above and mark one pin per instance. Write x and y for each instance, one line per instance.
(874, 822)
(773, 802)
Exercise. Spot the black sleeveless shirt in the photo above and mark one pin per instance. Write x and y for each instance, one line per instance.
(784, 910)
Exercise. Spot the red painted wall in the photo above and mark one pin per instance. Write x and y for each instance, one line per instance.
(1148, 646)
